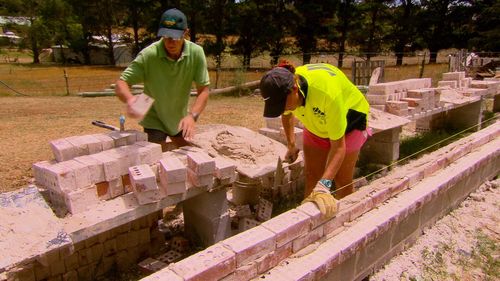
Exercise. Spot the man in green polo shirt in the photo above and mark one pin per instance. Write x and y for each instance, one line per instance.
(168, 68)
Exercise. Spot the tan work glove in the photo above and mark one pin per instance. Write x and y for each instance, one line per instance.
(325, 201)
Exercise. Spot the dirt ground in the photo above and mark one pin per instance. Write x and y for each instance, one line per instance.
(464, 245)
(28, 124)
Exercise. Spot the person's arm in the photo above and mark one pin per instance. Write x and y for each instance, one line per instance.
(335, 158)
(122, 91)
(289, 128)
(187, 124)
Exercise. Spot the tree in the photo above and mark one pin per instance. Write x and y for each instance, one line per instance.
(278, 15)
(345, 19)
(402, 29)
(374, 26)
(485, 25)
(248, 26)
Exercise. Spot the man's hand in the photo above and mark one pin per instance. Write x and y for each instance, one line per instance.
(291, 154)
(130, 108)
(187, 126)
(325, 201)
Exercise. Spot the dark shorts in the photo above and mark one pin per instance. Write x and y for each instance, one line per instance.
(157, 136)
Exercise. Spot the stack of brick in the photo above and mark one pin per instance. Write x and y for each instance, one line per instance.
(403, 98)
(88, 169)
(455, 80)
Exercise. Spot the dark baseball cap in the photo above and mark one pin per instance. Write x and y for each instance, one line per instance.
(275, 86)
(173, 23)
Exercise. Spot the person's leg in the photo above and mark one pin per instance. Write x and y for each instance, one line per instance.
(315, 155)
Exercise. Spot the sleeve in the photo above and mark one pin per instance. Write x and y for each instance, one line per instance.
(335, 118)
(134, 73)
(201, 77)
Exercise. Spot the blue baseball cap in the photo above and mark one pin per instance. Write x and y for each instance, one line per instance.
(173, 23)
(275, 86)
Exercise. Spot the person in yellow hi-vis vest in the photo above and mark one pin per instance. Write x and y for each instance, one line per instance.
(334, 114)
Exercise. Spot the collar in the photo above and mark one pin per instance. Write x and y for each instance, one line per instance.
(303, 87)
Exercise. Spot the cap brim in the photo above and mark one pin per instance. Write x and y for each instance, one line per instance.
(274, 108)
(172, 33)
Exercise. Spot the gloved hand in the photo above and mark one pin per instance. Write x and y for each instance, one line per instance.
(325, 201)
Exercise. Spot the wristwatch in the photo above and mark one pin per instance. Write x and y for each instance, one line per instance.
(327, 183)
(194, 115)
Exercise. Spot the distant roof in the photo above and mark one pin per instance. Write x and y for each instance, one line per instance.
(16, 20)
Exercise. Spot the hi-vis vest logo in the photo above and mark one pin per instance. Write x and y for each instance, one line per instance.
(320, 115)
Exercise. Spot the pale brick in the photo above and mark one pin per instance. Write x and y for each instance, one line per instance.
(172, 170)
(63, 150)
(200, 163)
(60, 177)
(39, 174)
(155, 153)
(224, 169)
(81, 171)
(80, 145)
(142, 104)
(264, 210)
(212, 263)
(196, 180)
(149, 196)
(119, 139)
(163, 275)
(82, 199)
(151, 265)
(251, 244)
(272, 259)
(246, 272)
(309, 238)
(273, 123)
(110, 164)
(96, 168)
(142, 178)
(116, 188)
(288, 226)
(106, 141)
(247, 223)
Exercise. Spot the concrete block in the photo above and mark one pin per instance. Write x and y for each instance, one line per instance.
(212, 263)
(63, 150)
(172, 170)
(78, 201)
(142, 178)
(200, 163)
(264, 210)
(251, 244)
(96, 168)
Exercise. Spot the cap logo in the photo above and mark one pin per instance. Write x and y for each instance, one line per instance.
(169, 22)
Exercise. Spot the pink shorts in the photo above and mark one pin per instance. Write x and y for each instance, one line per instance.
(354, 140)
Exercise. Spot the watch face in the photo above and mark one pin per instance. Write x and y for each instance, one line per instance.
(326, 182)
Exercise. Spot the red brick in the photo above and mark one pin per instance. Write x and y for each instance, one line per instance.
(212, 263)
(288, 226)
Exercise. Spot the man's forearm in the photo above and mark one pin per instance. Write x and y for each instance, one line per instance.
(122, 91)
(288, 126)
(201, 100)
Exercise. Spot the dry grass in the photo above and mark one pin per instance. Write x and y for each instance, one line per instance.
(27, 124)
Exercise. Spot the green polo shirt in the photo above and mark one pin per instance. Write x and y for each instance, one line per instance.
(169, 82)
(330, 95)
